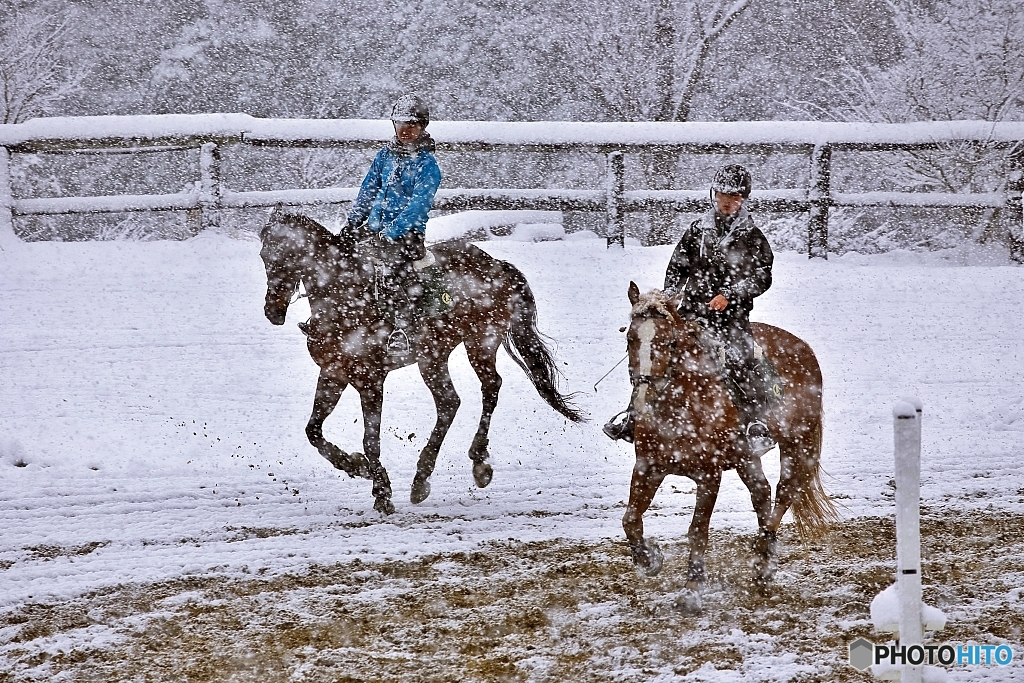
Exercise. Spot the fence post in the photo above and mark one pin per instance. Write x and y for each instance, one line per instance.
(907, 442)
(819, 194)
(616, 188)
(7, 236)
(209, 191)
(1015, 205)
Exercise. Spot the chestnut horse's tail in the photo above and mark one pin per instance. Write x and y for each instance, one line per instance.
(525, 344)
(813, 511)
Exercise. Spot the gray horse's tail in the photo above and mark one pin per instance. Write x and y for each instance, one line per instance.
(525, 344)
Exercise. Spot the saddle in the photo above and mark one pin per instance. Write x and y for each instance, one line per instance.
(436, 299)
(764, 372)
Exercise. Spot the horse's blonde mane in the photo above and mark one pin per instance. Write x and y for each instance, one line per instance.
(654, 302)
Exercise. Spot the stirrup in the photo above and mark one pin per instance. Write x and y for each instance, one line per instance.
(304, 326)
(759, 439)
(398, 342)
(620, 430)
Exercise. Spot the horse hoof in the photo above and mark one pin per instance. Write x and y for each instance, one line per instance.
(647, 557)
(420, 489)
(688, 602)
(384, 506)
(482, 473)
(361, 466)
(761, 585)
(354, 465)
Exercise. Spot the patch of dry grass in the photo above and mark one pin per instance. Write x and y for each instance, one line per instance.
(548, 611)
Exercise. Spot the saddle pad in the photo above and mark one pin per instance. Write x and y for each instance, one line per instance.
(436, 299)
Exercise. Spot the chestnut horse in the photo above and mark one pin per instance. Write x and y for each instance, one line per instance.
(687, 424)
(492, 306)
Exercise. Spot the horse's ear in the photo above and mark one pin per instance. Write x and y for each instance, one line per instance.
(633, 293)
(673, 306)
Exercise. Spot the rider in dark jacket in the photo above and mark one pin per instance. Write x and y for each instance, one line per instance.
(719, 265)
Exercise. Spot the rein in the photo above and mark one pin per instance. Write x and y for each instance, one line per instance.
(656, 382)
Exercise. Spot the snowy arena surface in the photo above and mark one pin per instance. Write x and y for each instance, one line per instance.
(162, 516)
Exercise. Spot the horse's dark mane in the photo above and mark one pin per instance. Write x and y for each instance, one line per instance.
(317, 231)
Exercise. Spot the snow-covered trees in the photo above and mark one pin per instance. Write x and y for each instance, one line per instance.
(36, 73)
(643, 61)
(960, 59)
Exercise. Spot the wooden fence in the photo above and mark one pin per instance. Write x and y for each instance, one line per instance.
(211, 133)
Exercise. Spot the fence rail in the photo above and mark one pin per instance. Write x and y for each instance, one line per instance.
(210, 133)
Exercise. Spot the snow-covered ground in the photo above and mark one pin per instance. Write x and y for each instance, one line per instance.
(151, 419)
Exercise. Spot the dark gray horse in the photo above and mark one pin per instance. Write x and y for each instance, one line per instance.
(491, 306)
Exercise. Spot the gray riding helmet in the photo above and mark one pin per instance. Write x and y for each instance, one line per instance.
(411, 109)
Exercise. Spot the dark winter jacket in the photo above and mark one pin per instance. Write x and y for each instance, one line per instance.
(398, 190)
(720, 256)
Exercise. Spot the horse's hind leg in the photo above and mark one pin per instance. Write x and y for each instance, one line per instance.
(482, 356)
(328, 393)
(646, 480)
(434, 371)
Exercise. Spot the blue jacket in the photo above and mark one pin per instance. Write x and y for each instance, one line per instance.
(398, 190)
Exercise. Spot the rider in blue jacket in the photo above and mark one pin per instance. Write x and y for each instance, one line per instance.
(393, 203)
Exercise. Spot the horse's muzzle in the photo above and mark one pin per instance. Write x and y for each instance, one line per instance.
(275, 314)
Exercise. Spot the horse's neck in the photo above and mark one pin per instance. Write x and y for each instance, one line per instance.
(332, 279)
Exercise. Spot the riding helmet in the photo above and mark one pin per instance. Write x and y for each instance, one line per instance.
(732, 179)
(410, 109)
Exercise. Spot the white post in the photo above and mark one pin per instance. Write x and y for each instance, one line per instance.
(7, 236)
(907, 440)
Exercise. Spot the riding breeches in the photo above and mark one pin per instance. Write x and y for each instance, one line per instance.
(402, 286)
(740, 365)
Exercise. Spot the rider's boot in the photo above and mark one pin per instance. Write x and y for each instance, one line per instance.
(402, 339)
(304, 326)
(758, 436)
(623, 429)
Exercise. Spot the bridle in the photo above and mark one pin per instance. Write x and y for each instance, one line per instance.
(640, 378)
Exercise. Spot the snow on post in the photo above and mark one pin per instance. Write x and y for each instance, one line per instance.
(899, 608)
(7, 236)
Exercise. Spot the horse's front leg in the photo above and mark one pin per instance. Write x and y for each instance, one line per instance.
(708, 484)
(765, 547)
(328, 393)
(645, 482)
(371, 398)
